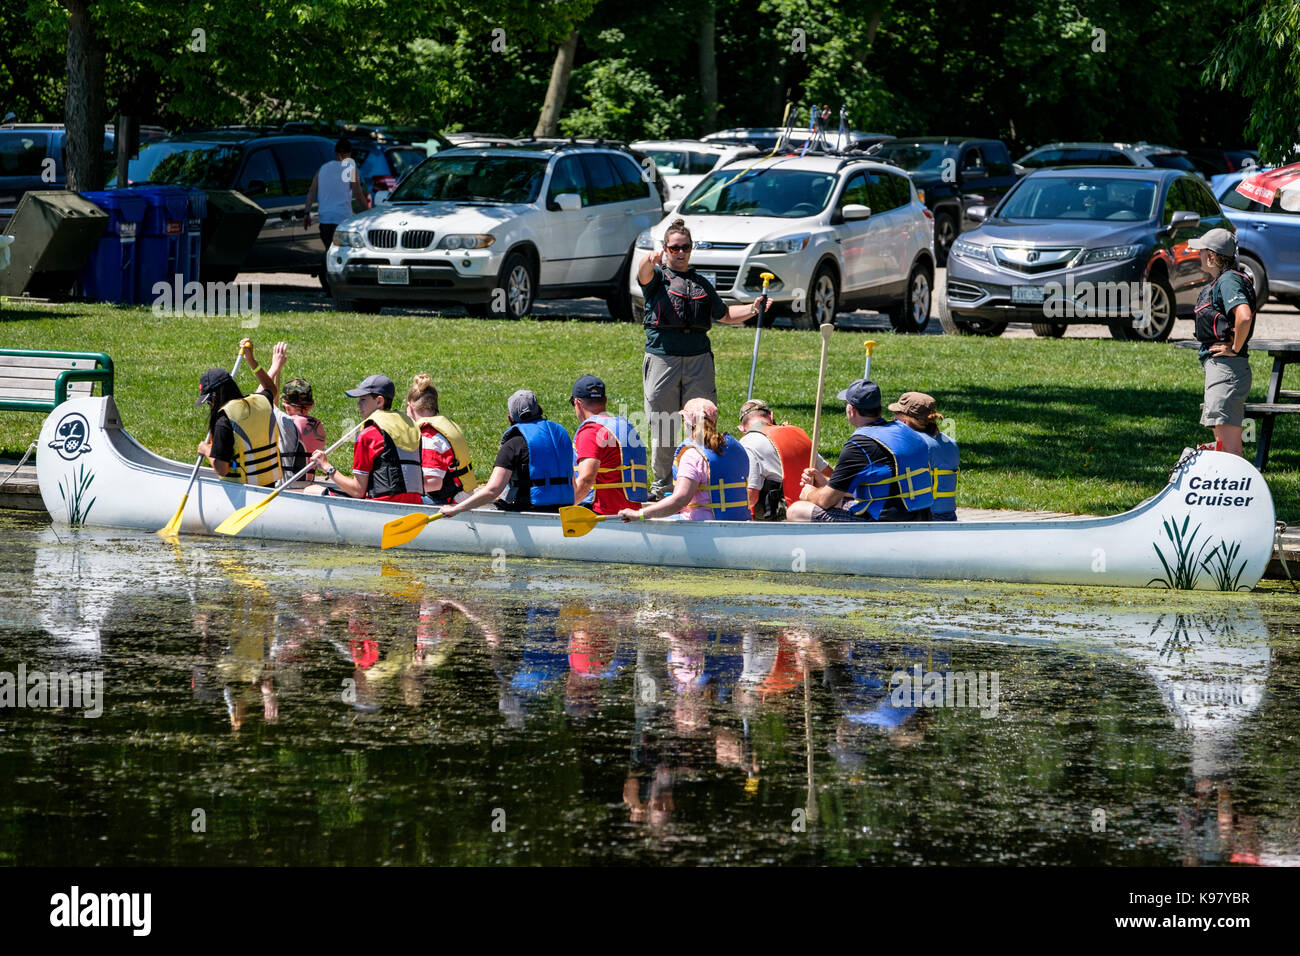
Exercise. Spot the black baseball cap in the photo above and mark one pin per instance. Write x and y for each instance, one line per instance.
(374, 385)
(864, 395)
(589, 387)
(211, 381)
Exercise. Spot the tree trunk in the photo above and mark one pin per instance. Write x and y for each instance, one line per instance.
(84, 108)
(708, 69)
(548, 124)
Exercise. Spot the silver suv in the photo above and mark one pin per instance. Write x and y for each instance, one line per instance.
(494, 229)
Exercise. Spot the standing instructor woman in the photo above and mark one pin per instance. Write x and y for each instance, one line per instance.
(1225, 318)
(680, 307)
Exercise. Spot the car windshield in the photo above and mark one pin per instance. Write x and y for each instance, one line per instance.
(676, 162)
(474, 179)
(783, 193)
(205, 165)
(914, 156)
(1082, 197)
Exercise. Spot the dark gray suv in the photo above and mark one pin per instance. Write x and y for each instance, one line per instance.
(1083, 245)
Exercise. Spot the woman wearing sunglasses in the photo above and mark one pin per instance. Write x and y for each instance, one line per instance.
(680, 307)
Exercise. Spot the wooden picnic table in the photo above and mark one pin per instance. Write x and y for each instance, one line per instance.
(1277, 400)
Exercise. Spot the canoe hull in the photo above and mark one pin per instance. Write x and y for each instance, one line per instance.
(1216, 515)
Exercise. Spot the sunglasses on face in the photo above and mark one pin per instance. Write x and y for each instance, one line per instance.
(686, 248)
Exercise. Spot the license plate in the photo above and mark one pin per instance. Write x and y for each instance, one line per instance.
(710, 277)
(1030, 294)
(394, 275)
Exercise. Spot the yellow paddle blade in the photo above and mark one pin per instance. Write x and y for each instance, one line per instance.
(242, 518)
(577, 520)
(406, 528)
(171, 530)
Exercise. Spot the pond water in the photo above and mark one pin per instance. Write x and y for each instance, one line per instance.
(240, 702)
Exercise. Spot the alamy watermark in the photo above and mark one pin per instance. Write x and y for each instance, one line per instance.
(178, 297)
(922, 688)
(67, 690)
(1096, 299)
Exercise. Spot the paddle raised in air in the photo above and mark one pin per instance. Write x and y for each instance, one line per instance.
(246, 515)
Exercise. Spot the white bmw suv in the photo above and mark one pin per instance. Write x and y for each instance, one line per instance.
(494, 229)
(837, 232)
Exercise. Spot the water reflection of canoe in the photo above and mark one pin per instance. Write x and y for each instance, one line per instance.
(1211, 527)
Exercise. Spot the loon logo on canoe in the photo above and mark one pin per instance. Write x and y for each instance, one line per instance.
(71, 436)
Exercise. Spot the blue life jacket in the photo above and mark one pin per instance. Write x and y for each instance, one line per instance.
(870, 488)
(550, 464)
(728, 485)
(943, 467)
(634, 473)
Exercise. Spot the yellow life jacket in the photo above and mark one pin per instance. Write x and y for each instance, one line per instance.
(462, 468)
(257, 441)
(397, 469)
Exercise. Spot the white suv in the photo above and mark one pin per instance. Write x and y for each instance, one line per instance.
(493, 229)
(837, 232)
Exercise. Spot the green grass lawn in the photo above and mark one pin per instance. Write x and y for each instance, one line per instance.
(1075, 425)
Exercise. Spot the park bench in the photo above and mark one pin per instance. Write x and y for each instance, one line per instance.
(39, 381)
(1277, 400)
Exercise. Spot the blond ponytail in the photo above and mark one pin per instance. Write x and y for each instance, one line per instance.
(423, 397)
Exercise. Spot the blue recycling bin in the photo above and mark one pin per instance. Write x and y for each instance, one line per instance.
(161, 246)
(198, 211)
(110, 273)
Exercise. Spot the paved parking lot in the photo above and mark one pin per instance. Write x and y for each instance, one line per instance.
(283, 291)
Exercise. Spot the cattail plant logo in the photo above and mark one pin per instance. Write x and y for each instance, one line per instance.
(1186, 562)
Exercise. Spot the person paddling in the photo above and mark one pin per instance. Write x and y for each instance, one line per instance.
(243, 443)
(883, 473)
(533, 470)
(297, 402)
(778, 454)
(710, 473)
(386, 455)
(444, 453)
(611, 457)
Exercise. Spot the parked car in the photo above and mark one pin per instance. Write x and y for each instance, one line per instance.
(383, 165)
(1216, 162)
(1091, 244)
(24, 149)
(463, 137)
(683, 162)
(837, 232)
(272, 169)
(1268, 239)
(1145, 155)
(485, 227)
(951, 173)
(765, 138)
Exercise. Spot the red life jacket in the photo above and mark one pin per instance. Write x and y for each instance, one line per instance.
(794, 448)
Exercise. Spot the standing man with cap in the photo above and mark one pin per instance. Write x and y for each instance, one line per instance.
(883, 473)
(533, 470)
(1225, 319)
(610, 457)
(778, 455)
(338, 183)
(386, 455)
(917, 411)
(243, 443)
(680, 307)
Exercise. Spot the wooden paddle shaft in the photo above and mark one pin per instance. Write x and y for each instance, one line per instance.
(826, 331)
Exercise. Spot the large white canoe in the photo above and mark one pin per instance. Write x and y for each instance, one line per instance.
(1210, 528)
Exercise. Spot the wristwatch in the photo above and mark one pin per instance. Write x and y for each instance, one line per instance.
(329, 472)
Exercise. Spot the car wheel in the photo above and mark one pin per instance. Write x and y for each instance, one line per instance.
(1047, 330)
(620, 303)
(957, 326)
(520, 284)
(1156, 323)
(945, 232)
(823, 302)
(1255, 269)
(912, 314)
(324, 281)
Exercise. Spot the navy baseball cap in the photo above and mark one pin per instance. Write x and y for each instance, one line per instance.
(589, 387)
(211, 381)
(864, 395)
(374, 385)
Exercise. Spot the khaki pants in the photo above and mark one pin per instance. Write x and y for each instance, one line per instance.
(669, 382)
